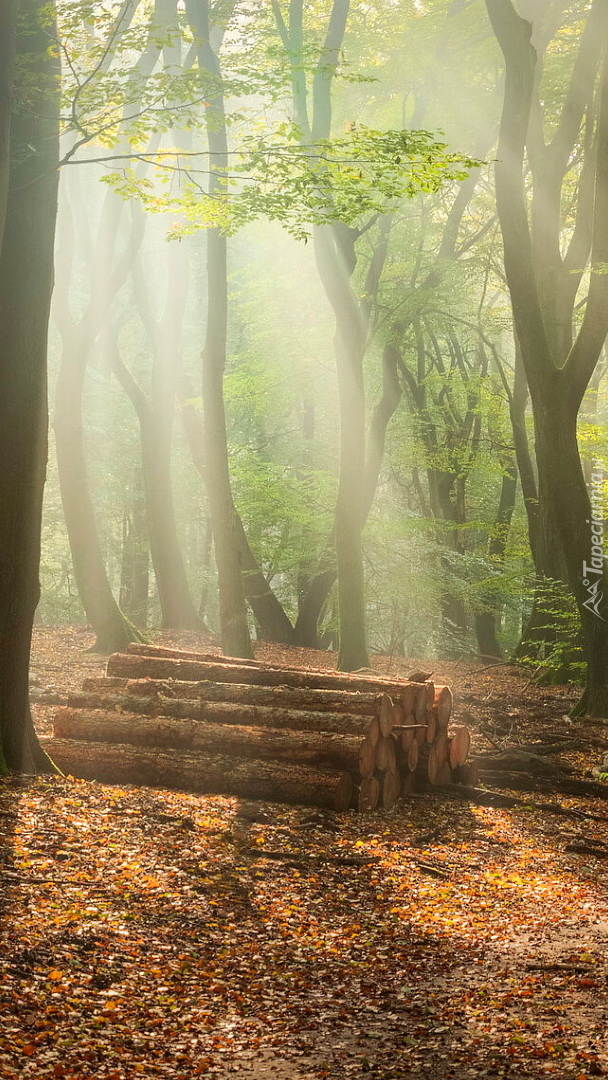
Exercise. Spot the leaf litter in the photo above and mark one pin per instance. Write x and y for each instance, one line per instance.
(158, 934)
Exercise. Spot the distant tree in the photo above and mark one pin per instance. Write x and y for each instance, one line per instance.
(29, 152)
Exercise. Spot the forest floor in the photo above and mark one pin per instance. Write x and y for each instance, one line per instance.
(144, 934)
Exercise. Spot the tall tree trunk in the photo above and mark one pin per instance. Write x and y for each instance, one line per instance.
(350, 504)
(135, 571)
(557, 372)
(234, 629)
(8, 17)
(26, 280)
(155, 415)
(113, 631)
(273, 623)
(487, 620)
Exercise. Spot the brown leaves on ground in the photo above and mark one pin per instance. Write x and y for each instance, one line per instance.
(148, 933)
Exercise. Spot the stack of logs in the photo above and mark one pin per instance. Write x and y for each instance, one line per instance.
(209, 724)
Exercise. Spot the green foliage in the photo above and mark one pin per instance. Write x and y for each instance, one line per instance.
(277, 176)
(553, 649)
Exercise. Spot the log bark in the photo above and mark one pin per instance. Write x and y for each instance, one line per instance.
(202, 773)
(467, 774)
(227, 713)
(516, 760)
(136, 648)
(565, 785)
(335, 701)
(324, 749)
(137, 667)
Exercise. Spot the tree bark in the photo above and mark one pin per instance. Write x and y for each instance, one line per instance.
(155, 417)
(234, 629)
(487, 620)
(135, 566)
(26, 281)
(557, 374)
(350, 503)
(112, 629)
(8, 22)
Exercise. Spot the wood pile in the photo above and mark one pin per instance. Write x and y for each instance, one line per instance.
(210, 724)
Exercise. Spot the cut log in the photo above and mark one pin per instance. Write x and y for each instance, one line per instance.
(405, 735)
(341, 701)
(421, 704)
(520, 761)
(431, 727)
(398, 716)
(412, 756)
(369, 794)
(564, 784)
(201, 773)
(442, 749)
(444, 775)
(438, 756)
(391, 789)
(385, 714)
(137, 667)
(324, 749)
(421, 734)
(467, 774)
(222, 712)
(459, 746)
(103, 684)
(443, 704)
(408, 784)
(136, 648)
(386, 754)
(367, 756)
(408, 699)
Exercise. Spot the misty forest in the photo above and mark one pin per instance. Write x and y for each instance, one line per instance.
(303, 492)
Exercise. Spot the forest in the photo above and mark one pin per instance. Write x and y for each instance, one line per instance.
(303, 490)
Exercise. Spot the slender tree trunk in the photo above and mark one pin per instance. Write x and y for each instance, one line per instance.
(487, 621)
(270, 616)
(113, 631)
(177, 607)
(135, 573)
(26, 280)
(350, 503)
(234, 629)
(155, 415)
